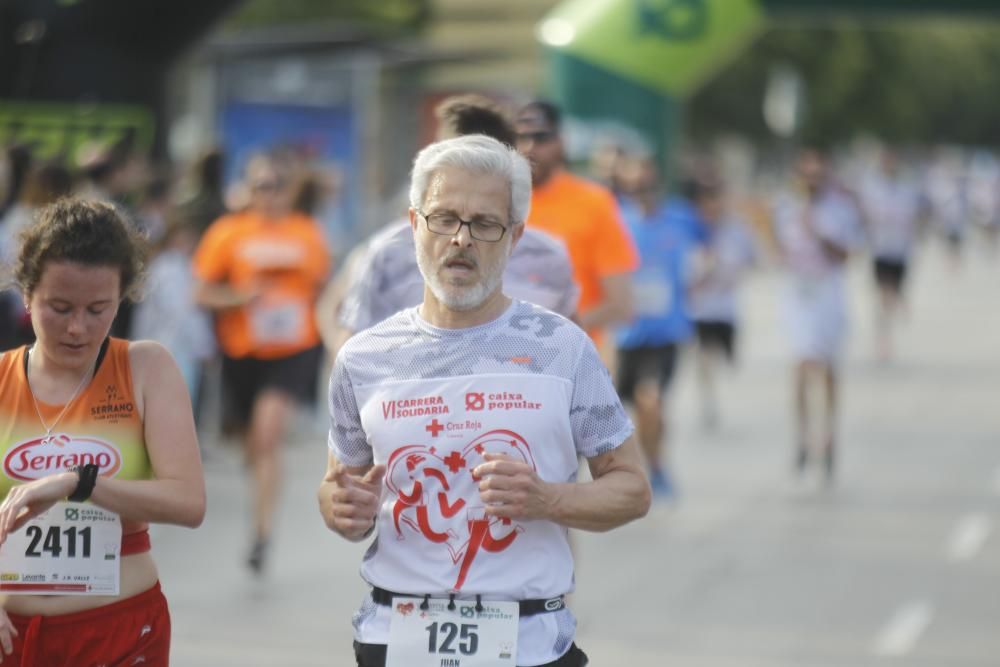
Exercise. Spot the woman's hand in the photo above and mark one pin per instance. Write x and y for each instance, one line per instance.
(7, 634)
(27, 501)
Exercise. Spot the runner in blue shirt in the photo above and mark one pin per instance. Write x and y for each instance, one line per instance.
(666, 234)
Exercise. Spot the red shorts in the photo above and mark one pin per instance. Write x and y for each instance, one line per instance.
(133, 631)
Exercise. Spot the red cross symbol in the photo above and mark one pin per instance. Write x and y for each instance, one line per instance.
(454, 461)
(434, 427)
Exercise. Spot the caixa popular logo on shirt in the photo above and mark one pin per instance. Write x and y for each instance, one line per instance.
(36, 458)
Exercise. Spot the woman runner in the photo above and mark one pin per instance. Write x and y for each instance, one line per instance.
(97, 441)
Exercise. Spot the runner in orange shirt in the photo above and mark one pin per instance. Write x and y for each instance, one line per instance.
(585, 216)
(261, 271)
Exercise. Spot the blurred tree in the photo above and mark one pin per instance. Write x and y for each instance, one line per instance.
(383, 15)
(902, 82)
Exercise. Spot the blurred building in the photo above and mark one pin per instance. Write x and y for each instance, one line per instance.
(75, 72)
(360, 102)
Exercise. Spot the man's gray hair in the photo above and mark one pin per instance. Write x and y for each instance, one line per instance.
(478, 153)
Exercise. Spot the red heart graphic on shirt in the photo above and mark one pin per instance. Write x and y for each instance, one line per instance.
(437, 496)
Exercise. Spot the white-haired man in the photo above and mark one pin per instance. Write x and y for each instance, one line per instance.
(455, 431)
(384, 278)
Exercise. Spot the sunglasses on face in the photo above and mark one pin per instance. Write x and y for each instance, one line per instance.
(267, 186)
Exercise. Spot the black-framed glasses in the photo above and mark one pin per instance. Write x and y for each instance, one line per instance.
(448, 224)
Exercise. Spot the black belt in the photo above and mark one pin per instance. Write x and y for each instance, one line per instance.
(525, 607)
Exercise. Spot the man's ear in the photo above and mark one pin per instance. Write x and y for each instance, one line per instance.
(516, 232)
(413, 219)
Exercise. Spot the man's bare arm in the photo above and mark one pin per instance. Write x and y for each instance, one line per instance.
(619, 492)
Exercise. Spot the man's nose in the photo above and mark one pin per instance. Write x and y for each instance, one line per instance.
(463, 235)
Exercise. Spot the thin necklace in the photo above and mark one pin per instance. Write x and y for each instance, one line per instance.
(34, 401)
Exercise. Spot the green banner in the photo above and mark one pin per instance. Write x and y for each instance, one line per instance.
(55, 130)
(670, 46)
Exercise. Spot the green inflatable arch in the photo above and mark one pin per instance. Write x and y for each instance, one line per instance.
(632, 62)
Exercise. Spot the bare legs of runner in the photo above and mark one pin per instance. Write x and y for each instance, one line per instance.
(707, 362)
(890, 307)
(820, 374)
(272, 412)
(651, 428)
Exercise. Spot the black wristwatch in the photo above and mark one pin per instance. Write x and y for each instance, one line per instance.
(86, 479)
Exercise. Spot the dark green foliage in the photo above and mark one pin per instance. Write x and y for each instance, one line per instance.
(913, 81)
(376, 15)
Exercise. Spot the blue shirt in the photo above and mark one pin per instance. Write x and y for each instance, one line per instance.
(665, 239)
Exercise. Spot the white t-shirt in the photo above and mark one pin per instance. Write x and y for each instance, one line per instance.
(801, 224)
(732, 250)
(946, 190)
(428, 403)
(891, 206)
(815, 310)
(388, 279)
(168, 314)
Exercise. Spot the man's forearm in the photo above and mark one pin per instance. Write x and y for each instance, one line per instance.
(613, 500)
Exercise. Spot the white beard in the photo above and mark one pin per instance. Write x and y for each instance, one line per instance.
(461, 297)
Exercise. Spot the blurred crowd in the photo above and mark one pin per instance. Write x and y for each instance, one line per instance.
(172, 205)
(806, 212)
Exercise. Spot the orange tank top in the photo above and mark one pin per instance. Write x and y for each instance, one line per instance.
(101, 426)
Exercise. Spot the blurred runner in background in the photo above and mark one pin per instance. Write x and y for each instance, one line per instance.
(891, 204)
(168, 313)
(816, 225)
(585, 216)
(721, 266)
(667, 232)
(261, 270)
(43, 184)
